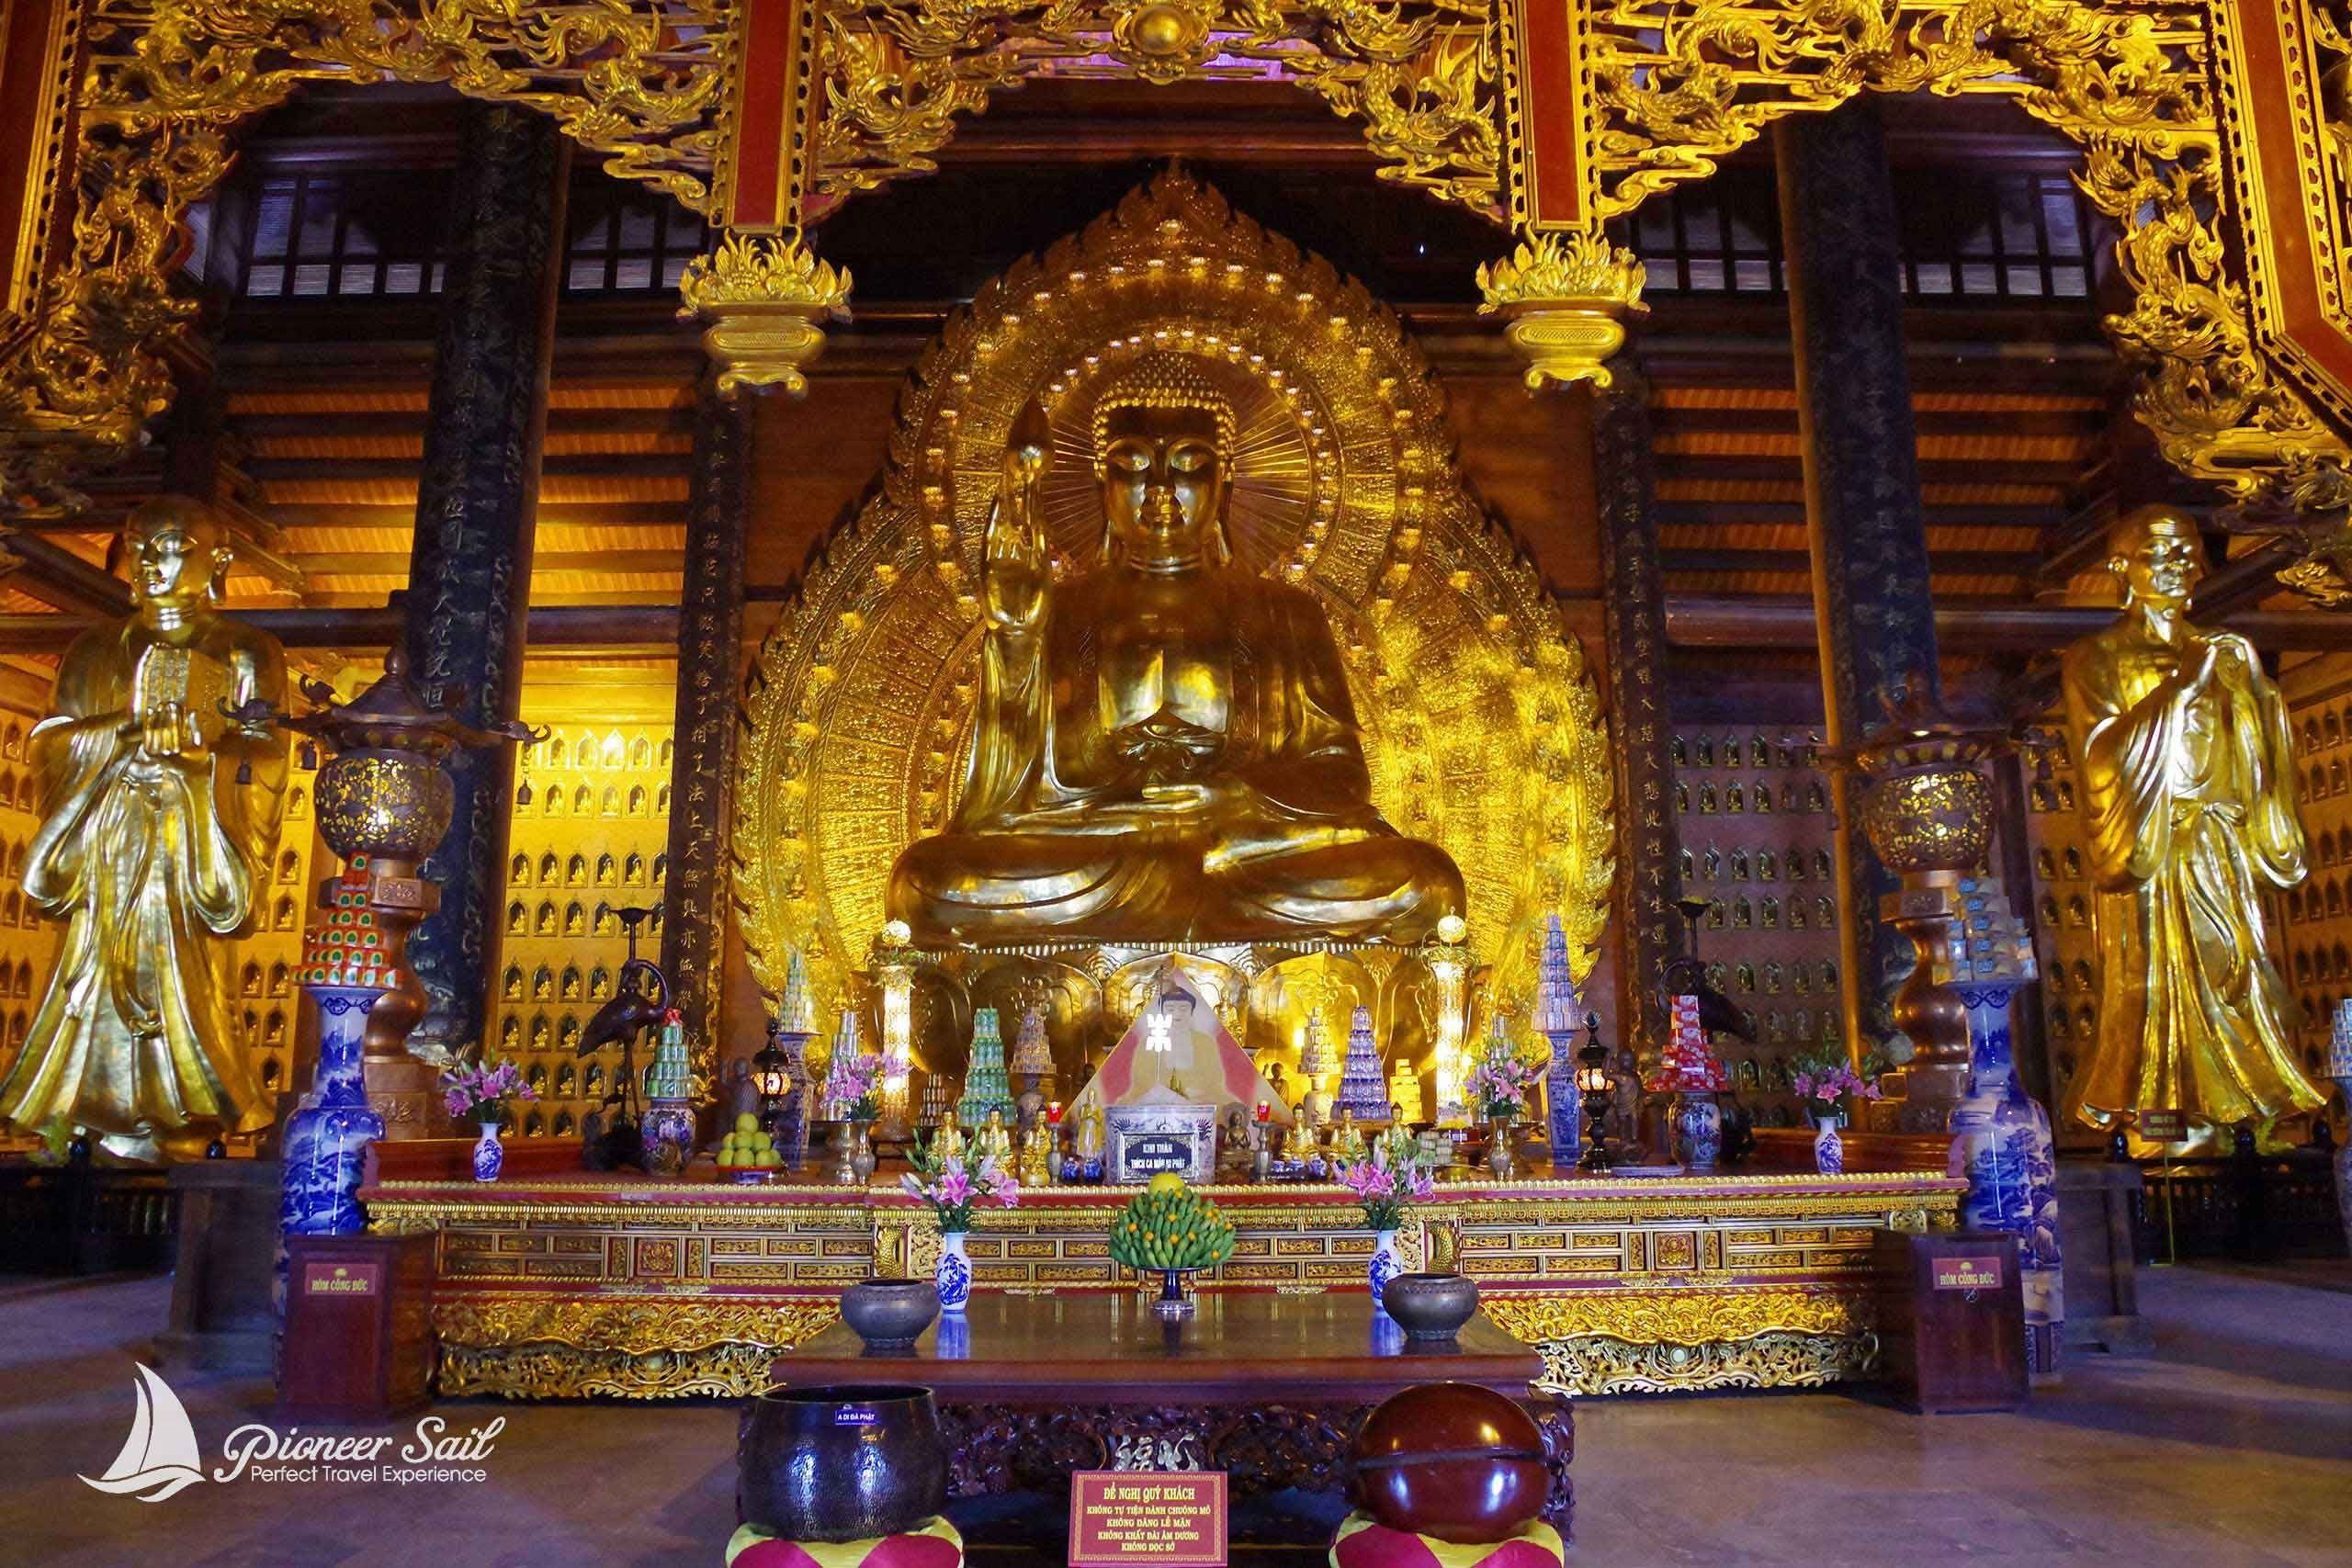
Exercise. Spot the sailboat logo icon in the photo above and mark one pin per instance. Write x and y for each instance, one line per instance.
(160, 1457)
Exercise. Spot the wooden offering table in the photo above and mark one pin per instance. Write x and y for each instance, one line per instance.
(1270, 1388)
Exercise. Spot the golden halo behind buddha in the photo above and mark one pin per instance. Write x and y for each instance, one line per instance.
(1481, 726)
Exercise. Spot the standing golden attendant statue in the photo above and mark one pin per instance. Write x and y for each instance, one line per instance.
(2187, 792)
(157, 812)
(1165, 748)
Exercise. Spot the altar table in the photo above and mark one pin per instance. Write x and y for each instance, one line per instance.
(1270, 1388)
(555, 1283)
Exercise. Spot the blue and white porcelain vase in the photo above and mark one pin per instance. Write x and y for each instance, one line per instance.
(1698, 1130)
(2001, 1143)
(490, 1154)
(1387, 1263)
(1829, 1148)
(955, 1274)
(327, 1139)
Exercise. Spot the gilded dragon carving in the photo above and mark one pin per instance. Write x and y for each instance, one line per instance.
(1667, 87)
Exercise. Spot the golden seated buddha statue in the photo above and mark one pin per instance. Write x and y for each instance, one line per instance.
(1165, 748)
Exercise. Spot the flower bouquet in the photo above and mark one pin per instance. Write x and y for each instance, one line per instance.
(951, 1186)
(1393, 1176)
(853, 1082)
(480, 1093)
(1821, 1083)
(1498, 1085)
(1822, 1080)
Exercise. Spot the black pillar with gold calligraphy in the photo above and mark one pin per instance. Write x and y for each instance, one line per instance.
(477, 501)
(710, 638)
(1634, 612)
(1872, 601)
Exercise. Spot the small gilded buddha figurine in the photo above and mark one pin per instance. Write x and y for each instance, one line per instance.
(994, 1141)
(1037, 1150)
(1164, 748)
(2187, 788)
(948, 1142)
(1347, 1138)
(1298, 1138)
(157, 814)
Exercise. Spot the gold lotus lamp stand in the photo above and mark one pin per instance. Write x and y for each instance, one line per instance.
(764, 301)
(894, 978)
(1928, 813)
(383, 802)
(1565, 299)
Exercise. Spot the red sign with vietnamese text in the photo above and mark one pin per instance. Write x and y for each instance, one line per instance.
(2164, 1126)
(1967, 1274)
(1117, 1517)
(341, 1278)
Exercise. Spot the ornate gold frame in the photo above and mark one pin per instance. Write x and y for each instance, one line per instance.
(1484, 730)
(2212, 132)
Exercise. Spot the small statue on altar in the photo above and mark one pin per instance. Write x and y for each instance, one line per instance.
(1037, 1150)
(993, 1141)
(1298, 1140)
(1166, 746)
(1086, 1145)
(947, 1141)
(1347, 1139)
(158, 812)
(2187, 777)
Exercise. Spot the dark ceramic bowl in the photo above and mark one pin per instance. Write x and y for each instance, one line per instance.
(1431, 1306)
(889, 1314)
(840, 1462)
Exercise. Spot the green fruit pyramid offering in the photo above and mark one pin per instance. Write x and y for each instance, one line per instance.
(1169, 1226)
(749, 1147)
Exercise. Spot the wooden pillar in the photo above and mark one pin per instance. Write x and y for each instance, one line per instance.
(477, 502)
(1875, 616)
(1633, 624)
(710, 638)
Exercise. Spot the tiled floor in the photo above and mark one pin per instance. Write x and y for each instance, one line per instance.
(2233, 1446)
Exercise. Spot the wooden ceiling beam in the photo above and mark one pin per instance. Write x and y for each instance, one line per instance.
(2081, 424)
(57, 576)
(570, 465)
(1961, 563)
(571, 513)
(1723, 467)
(673, 419)
(1787, 621)
(1792, 514)
(350, 563)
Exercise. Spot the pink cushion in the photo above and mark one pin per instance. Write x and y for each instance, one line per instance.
(1361, 1543)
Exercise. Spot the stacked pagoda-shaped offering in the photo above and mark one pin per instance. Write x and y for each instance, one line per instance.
(1689, 1064)
(796, 1026)
(1556, 1020)
(1362, 1094)
(1314, 1069)
(669, 1125)
(938, 1105)
(1033, 1055)
(986, 1087)
(1404, 1091)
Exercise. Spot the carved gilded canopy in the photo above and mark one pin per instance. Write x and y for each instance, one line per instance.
(1482, 727)
(2212, 132)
